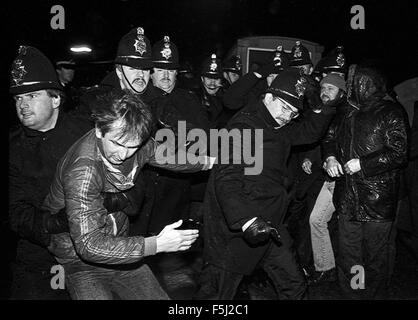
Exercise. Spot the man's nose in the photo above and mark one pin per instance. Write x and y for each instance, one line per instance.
(123, 152)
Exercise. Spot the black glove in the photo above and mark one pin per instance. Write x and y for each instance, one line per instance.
(260, 231)
(268, 69)
(115, 201)
(128, 201)
(44, 224)
(56, 223)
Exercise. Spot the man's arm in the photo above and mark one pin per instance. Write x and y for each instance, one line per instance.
(27, 220)
(310, 129)
(91, 228)
(166, 156)
(236, 97)
(394, 153)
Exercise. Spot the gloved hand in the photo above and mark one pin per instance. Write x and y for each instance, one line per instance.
(267, 69)
(56, 223)
(129, 201)
(260, 231)
(114, 202)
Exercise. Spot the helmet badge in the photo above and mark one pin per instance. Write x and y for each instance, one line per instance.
(166, 52)
(140, 45)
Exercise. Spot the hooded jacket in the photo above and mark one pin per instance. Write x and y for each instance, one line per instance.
(374, 131)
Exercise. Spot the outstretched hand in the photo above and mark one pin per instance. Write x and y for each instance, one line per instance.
(171, 239)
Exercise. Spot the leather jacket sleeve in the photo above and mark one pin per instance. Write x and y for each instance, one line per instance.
(393, 154)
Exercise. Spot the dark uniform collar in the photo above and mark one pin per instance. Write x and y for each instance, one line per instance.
(36, 133)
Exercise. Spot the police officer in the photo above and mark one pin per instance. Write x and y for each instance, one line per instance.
(65, 68)
(172, 191)
(43, 137)
(251, 85)
(300, 58)
(211, 92)
(232, 70)
(334, 62)
(243, 214)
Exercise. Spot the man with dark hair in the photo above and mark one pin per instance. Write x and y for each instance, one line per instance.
(35, 147)
(96, 253)
(365, 152)
(243, 214)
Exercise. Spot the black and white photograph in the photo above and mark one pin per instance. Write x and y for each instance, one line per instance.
(210, 152)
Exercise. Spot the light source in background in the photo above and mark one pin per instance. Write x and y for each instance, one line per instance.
(81, 49)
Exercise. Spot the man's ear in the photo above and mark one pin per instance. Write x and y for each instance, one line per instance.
(118, 73)
(56, 101)
(98, 133)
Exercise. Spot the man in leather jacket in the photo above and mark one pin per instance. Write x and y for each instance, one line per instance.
(98, 256)
(365, 152)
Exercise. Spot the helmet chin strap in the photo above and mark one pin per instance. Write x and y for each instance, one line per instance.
(129, 83)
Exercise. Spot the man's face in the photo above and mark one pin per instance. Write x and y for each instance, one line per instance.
(130, 77)
(65, 75)
(37, 110)
(231, 76)
(211, 85)
(116, 148)
(164, 79)
(281, 111)
(329, 92)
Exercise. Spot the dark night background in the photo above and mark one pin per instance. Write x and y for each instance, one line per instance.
(200, 27)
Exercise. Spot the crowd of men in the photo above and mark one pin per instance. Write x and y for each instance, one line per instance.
(90, 187)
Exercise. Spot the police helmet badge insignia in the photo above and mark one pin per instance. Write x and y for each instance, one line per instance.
(140, 45)
(340, 60)
(278, 57)
(238, 64)
(300, 87)
(22, 50)
(18, 71)
(166, 52)
(297, 53)
(213, 65)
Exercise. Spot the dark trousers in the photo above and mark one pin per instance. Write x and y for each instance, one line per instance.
(369, 245)
(279, 263)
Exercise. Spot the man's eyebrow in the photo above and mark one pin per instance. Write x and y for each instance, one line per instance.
(122, 145)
